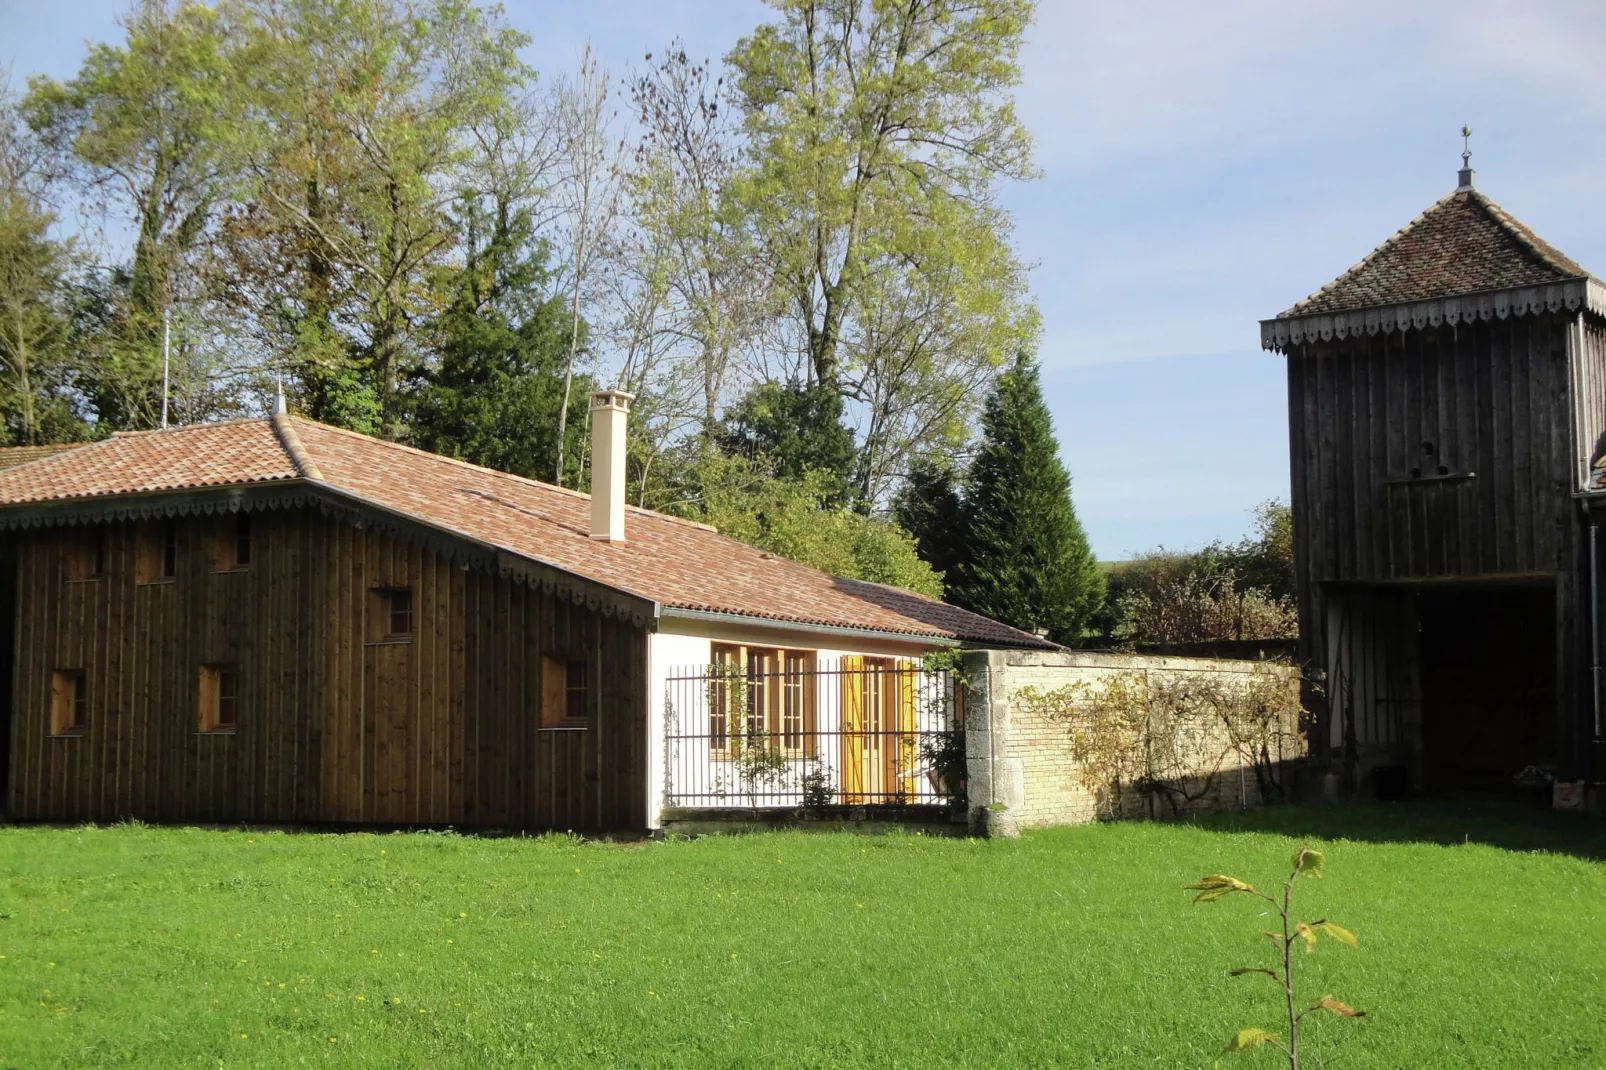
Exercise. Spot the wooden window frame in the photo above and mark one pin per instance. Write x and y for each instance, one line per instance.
(158, 552)
(777, 698)
(69, 703)
(383, 611)
(218, 699)
(231, 543)
(85, 555)
(560, 693)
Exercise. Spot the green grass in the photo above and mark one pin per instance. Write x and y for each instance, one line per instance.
(1483, 943)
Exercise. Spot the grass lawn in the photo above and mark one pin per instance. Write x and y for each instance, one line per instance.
(1483, 944)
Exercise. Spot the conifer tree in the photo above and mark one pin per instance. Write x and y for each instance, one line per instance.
(1026, 561)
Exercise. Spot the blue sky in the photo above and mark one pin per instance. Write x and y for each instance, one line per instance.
(1205, 166)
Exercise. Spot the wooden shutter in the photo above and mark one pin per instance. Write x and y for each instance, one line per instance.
(853, 740)
(903, 754)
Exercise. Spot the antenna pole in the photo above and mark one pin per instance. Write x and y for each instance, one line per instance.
(167, 332)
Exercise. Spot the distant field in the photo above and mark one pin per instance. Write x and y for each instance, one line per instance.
(1483, 944)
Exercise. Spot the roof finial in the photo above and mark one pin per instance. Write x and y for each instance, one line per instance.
(1464, 176)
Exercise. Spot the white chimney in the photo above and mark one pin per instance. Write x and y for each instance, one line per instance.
(609, 410)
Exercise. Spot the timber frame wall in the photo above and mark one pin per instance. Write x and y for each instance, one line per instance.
(334, 724)
(1513, 410)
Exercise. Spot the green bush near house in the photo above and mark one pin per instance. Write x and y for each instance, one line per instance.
(1481, 934)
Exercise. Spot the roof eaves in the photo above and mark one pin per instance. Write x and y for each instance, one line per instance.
(720, 616)
(1583, 293)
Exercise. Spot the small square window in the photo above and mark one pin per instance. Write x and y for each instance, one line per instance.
(390, 617)
(219, 695)
(563, 692)
(86, 554)
(69, 703)
(400, 604)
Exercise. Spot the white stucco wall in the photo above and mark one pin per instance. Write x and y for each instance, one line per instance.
(684, 649)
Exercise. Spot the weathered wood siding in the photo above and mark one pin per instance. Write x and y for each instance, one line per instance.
(442, 728)
(1497, 419)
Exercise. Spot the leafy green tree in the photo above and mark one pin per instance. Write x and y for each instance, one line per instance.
(789, 430)
(878, 136)
(37, 403)
(145, 132)
(930, 508)
(1026, 560)
(492, 395)
(795, 519)
(364, 115)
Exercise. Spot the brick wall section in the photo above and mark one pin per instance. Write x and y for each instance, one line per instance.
(1020, 754)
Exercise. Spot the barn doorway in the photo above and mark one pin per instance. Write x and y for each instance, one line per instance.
(1488, 684)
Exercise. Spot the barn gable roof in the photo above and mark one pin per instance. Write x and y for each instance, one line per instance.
(1463, 259)
(673, 562)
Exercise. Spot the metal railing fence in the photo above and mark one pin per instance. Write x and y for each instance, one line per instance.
(789, 733)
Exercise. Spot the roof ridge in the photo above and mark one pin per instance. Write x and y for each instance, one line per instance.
(458, 461)
(300, 459)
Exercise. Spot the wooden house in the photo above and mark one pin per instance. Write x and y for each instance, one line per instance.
(1447, 421)
(275, 621)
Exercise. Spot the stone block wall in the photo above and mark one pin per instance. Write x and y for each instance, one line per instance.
(1021, 771)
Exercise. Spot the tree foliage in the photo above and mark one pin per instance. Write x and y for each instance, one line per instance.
(878, 135)
(795, 518)
(789, 430)
(799, 260)
(1225, 591)
(1026, 560)
(493, 395)
(37, 403)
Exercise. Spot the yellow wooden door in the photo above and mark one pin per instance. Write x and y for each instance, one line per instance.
(851, 686)
(901, 742)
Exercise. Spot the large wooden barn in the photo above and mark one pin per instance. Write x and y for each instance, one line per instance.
(272, 620)
(1447, 423)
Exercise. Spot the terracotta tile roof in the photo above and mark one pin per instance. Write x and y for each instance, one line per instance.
(198, 455)
(667, 560)
(11, 456)
(1463, 244)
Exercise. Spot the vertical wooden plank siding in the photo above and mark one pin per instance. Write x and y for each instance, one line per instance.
(337, 720)
(1515, 412)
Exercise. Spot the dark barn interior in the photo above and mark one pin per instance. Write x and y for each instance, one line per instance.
(1488, 684)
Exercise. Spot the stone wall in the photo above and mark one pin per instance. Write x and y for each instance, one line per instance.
(1021, 770)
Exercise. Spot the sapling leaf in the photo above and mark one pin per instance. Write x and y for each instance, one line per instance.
(1249, 1038)
(1338, 1007)
(1339, 933)
(1309, 935)
(1254, 969)
(1311, 863)
(1217, 885)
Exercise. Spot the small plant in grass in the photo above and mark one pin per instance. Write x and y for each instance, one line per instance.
(1306, 863)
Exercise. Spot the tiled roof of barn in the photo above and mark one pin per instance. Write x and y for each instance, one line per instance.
(665, 559)
(11, 456)
(1463, 244)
